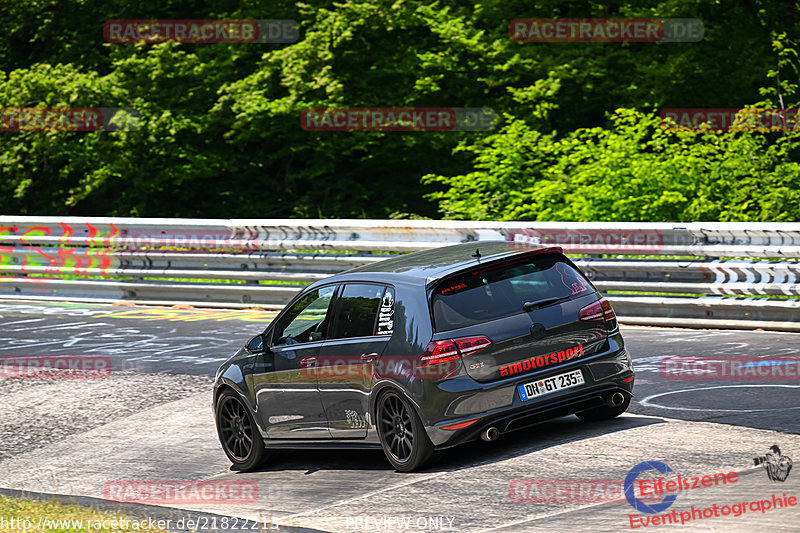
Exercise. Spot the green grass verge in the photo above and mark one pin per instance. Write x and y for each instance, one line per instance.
(23, 515)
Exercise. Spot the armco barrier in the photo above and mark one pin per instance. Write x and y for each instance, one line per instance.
(241, 263)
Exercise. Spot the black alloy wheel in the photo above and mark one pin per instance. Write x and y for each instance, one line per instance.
(238, 433)
(402, 435)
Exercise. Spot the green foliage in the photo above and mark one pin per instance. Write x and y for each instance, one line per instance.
(634, 170)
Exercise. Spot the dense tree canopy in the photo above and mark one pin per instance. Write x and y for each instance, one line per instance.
(578, 136)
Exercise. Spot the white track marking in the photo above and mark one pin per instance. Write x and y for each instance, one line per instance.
(646, 401)
(369, 494)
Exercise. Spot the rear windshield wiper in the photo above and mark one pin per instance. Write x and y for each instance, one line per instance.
(530, 306)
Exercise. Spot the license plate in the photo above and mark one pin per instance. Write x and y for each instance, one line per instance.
(540, 387)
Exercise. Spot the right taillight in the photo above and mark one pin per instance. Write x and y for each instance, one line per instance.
(600, 310)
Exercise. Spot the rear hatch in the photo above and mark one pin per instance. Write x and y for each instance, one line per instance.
(518, 316)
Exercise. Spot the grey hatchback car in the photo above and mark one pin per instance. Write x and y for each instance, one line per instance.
(425, 351)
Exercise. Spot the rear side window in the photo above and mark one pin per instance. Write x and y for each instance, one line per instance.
(357, 310)
(487, 293)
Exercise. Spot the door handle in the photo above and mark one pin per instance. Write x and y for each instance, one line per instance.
(308, 362)
(367, 357)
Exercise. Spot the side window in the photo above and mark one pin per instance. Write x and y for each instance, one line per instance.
(306, 320)
(357, 311)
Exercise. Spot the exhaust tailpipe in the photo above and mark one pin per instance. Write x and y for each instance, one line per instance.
(615, 399)
(490, 434)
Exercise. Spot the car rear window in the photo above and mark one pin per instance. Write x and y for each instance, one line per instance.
(495, 291)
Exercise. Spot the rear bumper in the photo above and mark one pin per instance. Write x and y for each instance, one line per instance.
(499, 404)
(520, 418)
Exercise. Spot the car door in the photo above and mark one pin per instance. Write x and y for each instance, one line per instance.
(287, 394)
(360, 328)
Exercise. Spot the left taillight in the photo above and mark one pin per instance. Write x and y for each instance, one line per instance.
(450, 349)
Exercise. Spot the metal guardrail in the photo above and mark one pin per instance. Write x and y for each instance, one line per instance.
(241, 263)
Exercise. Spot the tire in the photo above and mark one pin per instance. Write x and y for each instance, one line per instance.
(238, 433)
(604, 412)
(403, 438)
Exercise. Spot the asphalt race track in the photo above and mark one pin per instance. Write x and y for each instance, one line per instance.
(151, 420)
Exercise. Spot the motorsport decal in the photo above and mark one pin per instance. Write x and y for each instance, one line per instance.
(541, 361)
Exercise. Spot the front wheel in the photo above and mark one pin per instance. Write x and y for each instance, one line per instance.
(238, 433)
(402, 435)
(604, 412)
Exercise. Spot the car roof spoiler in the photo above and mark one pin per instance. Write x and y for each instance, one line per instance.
(515, 249)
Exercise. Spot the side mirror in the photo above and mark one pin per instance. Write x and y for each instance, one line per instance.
(256, 344)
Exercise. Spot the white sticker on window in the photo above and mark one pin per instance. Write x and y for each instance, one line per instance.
(386, 313)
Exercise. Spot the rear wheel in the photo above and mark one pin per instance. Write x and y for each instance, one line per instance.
(402, 435)
(238, 432)
(604, 412)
